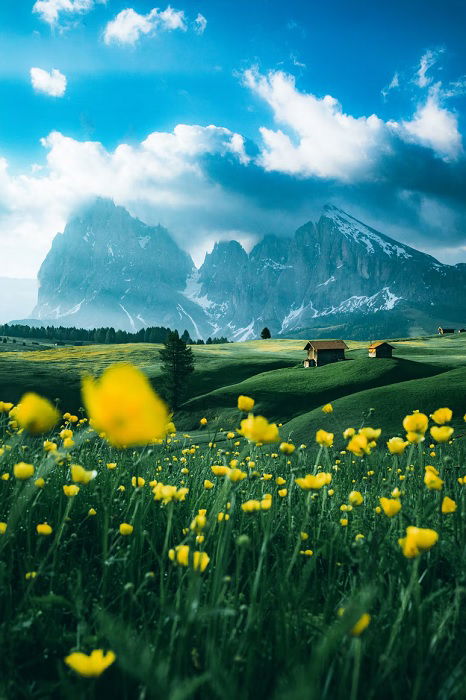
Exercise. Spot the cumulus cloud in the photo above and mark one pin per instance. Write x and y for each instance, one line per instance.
(51, 83)
(318, 138)
(322, 139)
(435, 127)
(129, 26)
(50, 10)
(200, 24)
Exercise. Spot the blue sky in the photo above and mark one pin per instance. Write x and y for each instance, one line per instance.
(84, 83)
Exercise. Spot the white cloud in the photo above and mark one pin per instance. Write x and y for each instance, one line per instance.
(200, 24)
(128, 26)
(428, 60)
(394, 83)
(50, 10)
(322, 139)
(53, 83)
(163, 174)
(434, 126)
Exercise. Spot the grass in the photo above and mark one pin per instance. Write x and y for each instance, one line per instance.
(262, 619)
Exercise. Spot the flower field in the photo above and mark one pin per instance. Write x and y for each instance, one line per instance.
(136, 562)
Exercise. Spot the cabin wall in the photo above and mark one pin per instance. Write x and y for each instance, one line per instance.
(325, 357)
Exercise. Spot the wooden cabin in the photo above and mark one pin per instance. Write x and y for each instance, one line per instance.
(380, 349)
(444, 331)
(322, 352)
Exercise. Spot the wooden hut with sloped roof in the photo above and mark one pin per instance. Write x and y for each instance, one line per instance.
(323, 352)
(380, 349)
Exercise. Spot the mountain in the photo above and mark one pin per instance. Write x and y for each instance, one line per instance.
(336, 277)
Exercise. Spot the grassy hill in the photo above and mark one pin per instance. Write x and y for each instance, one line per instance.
(424, 373)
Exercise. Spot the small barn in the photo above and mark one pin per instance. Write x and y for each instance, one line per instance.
(380, 349)
(462, 330)
(323, 352)
(444, 331)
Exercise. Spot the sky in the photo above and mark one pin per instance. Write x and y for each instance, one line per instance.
(223, 119)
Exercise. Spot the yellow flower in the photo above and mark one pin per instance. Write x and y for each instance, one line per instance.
(448, 505)
(203, 421)
(44, 529)
(167, 493)
(23, 471)
(184, 557)
(39, 483)
(344, 522)
(258, 429)
(70, 490)
(92, 665)
(396, 445)
(5, 407)
(230, 435)
(251, 506)
(280, 481)
(36, 414)
(442, 434)
(328, 408)
(314, 482)
(123, 404)
(359, 445)
(361, 625)
(81, 475)
(3, 528)
(442, 415)
(432, 481)
(137, 481)
(323, 438)
(236, 475)
(92, 511)
(355, 498)
(390, 506)
(304, 536)
(416, 423)
(111, 465)
(417, 540)
(30, 574)
(282, 493)
(208, 484)
(245, 404)
(371, 433)
(50, 446)
(220, 470)
(287, 448)
(68, 443)
(348, 433)
(306, 552)
(126, 529)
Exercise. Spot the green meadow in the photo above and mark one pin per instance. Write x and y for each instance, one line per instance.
(209, 565)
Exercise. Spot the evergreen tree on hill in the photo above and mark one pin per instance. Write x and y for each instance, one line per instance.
(265, 334)
(177, 365)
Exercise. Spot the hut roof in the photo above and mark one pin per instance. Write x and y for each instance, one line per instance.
(378, 343)
(326, 345)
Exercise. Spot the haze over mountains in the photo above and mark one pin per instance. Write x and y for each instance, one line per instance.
(336, 277)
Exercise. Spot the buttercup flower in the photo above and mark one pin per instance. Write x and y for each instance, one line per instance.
(417, 540)
(355, 498)
(36, 414)
(328, 408)
(323, 438)
(396, 445)
(245, 404)
(258, 429)
(44, 529)
(124, 406)
(184, 557)
(442, 415)
(287, 448)
(442, 433)
(126, 529)
(390, 506)
(311, 481)
(81, 475)
(448, 505)
(23, 471)
(92, 665)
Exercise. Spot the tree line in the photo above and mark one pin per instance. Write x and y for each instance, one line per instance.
(104, 335)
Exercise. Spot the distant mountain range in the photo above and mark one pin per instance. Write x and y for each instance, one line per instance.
(337, 277)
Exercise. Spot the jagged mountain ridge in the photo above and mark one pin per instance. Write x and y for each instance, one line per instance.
(334, 277)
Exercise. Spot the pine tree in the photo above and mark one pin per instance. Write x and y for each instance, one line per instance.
(177, 364)
(265, 333)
